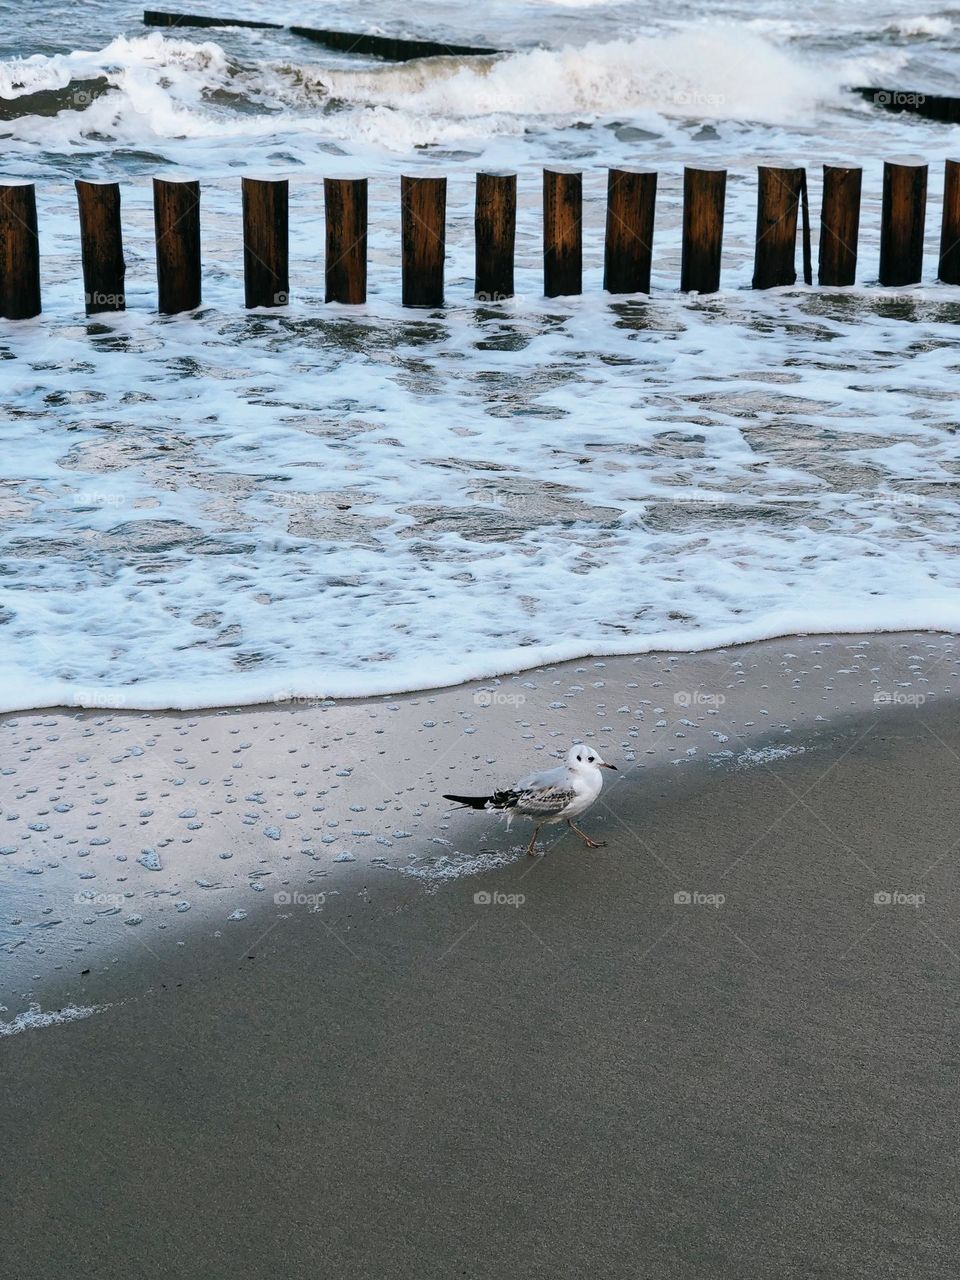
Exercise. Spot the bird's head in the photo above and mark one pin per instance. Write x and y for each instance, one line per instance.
(582, 758)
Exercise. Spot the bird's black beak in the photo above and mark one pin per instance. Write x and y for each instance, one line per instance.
(609, 766)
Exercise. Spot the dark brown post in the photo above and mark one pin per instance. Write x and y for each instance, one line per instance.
(101, 246)
(345, 203)
(424, 210)
(631, 198)
(266, 254)
(19, 252)
(495, 229)
(839, 224)
(778, 200)
(704, 193)
(176, 212)
(901, 228)
(949, 271)
(562, 232)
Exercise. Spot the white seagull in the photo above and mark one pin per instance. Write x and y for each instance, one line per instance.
(554, 795)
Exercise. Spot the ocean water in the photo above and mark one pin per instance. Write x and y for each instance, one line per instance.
(230, 507)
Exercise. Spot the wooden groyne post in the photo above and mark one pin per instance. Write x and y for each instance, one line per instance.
(423, 226)
(562, 232)
(628, 245)
(839, 224)
(903, 216)
(345, 266)
(704, 195)
(176, 212)
(949, 268)
(495, 234)
(266, 253)
(19, 252)
(779, 188)
(101, 246)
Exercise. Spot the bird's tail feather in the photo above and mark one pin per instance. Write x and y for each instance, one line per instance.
(470, 802)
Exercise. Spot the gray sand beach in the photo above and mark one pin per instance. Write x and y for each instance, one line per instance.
(322, 1024)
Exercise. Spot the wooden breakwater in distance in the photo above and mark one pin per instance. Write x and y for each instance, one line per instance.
(627, 250)
(390, 48)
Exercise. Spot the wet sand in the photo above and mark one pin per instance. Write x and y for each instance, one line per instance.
(724, 1045)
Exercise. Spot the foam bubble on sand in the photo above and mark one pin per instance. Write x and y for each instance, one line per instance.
(759, 757)
(445, 870)
(34, 1018)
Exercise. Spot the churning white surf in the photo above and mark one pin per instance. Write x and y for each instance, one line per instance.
(221, 509)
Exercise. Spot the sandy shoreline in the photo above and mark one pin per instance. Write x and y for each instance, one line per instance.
(397, 1079)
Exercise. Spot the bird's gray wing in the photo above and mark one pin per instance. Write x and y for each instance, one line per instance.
(544, 802)
(545, 778)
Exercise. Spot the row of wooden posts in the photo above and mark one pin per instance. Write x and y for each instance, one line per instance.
(631, 197)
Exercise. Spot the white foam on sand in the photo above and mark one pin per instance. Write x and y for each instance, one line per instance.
(758, 757)
(446, 869)
(35, 1019)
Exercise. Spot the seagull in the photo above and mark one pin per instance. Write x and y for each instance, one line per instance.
(554, 795)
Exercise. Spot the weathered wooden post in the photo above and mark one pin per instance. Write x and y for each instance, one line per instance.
(19, 252)
(266, 253)
(345, 206)
(904, 213)
(778, 201)
(176, 212)
(704, 194)
(839, 224)
(101, 246)
(495, 233)
(562, 232)
(628, 248)
(423, 224)
(949, 270)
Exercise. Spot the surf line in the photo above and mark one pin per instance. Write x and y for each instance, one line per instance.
(390, 48)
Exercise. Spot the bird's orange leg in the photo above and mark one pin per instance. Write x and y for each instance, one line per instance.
(531, 851)
(591, 844)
